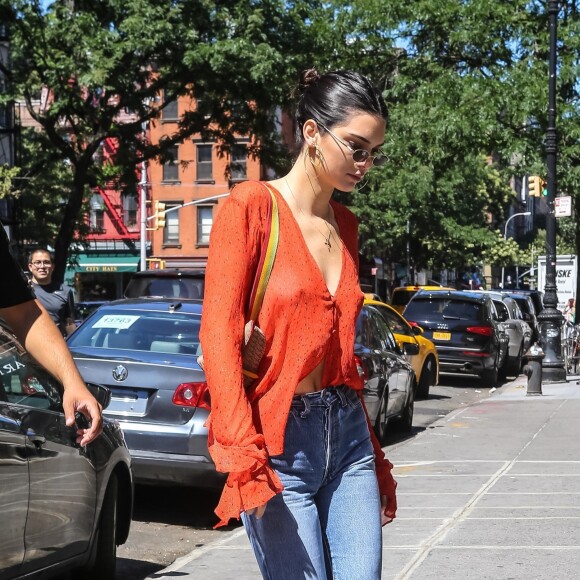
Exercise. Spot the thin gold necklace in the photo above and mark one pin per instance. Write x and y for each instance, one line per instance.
(327, 237)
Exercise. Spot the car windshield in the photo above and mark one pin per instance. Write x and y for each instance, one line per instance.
(169, 332)
(402, 297)
(435, 309)
(166, 287)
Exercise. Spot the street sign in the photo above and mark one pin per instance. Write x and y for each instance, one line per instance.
(563, 206)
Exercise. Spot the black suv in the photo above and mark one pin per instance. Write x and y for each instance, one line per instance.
(169, 283)
(465, 329)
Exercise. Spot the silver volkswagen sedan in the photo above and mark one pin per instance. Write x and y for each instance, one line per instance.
(145, 351)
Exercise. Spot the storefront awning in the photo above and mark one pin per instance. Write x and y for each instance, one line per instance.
(89, 263)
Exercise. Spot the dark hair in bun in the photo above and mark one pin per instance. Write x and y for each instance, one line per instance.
(331, 98)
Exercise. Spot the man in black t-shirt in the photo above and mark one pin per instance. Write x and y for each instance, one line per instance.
(37, 332)
(55, 297)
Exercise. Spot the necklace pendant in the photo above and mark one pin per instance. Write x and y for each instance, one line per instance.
(327, 243)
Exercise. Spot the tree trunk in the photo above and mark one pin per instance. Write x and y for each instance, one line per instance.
(68, 227)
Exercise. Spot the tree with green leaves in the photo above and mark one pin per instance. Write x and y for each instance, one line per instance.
(98, 61)
(467, 85)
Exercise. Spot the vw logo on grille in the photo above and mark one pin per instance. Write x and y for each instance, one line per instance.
(120, 373)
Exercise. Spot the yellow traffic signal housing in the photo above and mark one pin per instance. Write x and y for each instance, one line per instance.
(159, 215)
(536, 186)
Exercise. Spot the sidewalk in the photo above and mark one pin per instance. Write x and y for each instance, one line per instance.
(490, 491)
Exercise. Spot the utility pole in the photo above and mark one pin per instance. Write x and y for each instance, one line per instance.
(550, 318)
(143, 207)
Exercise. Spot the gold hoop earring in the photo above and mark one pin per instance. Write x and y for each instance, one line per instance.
(318, 152)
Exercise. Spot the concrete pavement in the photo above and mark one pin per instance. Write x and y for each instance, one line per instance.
(489, 491)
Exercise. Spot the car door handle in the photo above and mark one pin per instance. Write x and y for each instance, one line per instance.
(37, 440)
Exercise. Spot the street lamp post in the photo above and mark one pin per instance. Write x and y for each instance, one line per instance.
(505, 238)
(550, 318)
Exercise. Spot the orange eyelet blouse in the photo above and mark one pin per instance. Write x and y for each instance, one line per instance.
(303, 324)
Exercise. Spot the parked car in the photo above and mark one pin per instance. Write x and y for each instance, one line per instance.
(168, 283)
(64, 507)
(519, 332)
(465, 330)
(537, 296)
(528, 308)
(389, 380)
(402, 294)
(425, 363)
(145, 351)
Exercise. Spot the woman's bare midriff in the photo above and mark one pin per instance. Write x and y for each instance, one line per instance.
(312, 382)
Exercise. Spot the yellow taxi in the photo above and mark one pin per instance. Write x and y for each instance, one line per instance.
(402, 294)
(426, 363)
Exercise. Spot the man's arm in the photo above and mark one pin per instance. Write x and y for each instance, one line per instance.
(42, 339)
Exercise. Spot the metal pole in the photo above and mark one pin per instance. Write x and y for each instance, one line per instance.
(505, 238)
(143, 208)
(194, 202)
(550, 318)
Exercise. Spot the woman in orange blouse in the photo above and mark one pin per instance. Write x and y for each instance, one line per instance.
(306, 473)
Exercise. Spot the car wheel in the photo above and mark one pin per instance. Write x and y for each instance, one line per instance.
(489, 376)
(105, 548)
(380, 426)
(404, 423)
(427, 376)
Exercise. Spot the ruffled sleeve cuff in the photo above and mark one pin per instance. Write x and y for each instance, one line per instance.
(245, 490)
(251, 481)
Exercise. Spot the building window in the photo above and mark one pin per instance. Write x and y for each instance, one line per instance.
(204, 223)
(97, 214)
(204, 163)
(170, 111)
(239, 162)
(171, 165)
(171, 229)
(129, 201)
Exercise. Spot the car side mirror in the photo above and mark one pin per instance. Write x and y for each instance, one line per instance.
(417, 330)
(410, 348)
(101, 393)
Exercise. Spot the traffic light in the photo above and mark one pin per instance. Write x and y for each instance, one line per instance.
(536, 186)
(159, 215)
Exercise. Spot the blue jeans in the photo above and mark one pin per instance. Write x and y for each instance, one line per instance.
(326, 523)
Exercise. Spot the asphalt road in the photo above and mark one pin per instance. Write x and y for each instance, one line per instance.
(171, 522)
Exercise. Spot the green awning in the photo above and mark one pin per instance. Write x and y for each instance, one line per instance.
(107, 263)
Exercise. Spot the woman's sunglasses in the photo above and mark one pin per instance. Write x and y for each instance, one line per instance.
(359, 155)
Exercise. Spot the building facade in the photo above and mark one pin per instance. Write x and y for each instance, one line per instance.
(194, 171)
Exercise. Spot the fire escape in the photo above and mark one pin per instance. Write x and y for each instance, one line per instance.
(110, 194)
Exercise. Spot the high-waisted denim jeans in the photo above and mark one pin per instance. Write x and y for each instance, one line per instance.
(326, 524)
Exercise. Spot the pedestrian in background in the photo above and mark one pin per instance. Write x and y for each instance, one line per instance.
(569, 311)
(57, 298)
(35, 330)
(306, 472)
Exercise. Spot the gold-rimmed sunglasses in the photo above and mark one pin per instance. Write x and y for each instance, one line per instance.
(359, 155)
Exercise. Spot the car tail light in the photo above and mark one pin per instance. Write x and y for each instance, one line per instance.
(413, 323)
(192, 395)
(483, 330)
(361, 367)
(476, 353)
